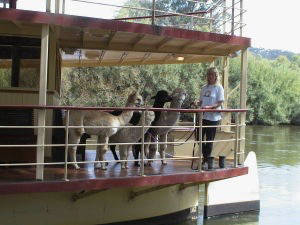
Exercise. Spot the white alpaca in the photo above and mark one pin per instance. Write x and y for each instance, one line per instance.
(98, 118)
(131, 135)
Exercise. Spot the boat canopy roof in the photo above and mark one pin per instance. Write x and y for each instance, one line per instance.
(87, 41)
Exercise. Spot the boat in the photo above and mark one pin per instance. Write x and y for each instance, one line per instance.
(38, 184)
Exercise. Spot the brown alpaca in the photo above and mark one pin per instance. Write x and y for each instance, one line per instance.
(99, 118)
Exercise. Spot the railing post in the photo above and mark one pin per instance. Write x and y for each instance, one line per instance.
(63, 7)
(48, 5)
(232, 18)
(66, 143)
(143, 145)
(241, 17)
(200, 118)
(243, 103)
(153, 12)
(211, 21)
(57, 3)
(236, 144)
(224, 16)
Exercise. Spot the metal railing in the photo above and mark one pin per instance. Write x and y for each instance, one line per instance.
(219, 16)
(197, 124)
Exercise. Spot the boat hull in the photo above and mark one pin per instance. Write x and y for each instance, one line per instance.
(103, 207)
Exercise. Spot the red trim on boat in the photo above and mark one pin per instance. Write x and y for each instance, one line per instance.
(124, 182)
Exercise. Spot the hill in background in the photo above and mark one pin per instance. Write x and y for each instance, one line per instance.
(271, 53)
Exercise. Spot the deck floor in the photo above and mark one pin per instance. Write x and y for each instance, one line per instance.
(22, 179)
(87, 171)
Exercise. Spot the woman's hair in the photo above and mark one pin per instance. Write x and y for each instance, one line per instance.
(215, 71)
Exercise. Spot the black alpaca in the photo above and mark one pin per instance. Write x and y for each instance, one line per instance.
(160, 99)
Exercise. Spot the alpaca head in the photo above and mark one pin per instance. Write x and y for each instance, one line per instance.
(135, 99)
(179, 95)
(161, 98)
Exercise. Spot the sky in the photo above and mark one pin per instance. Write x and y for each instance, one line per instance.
(271, 24)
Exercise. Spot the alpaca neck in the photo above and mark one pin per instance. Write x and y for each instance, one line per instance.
(176, 104)
(125, 116)
(157, 113)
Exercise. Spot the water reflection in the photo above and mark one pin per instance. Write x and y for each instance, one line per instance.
(250, 218)
(278, 156)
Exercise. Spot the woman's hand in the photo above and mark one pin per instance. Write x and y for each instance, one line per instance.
(207, 107)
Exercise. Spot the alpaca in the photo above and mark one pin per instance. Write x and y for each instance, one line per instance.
(99, 118)
(133, 121)
(165, 119)
(130, 135)
(160, 99)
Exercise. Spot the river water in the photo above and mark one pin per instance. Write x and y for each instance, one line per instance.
(278, 156)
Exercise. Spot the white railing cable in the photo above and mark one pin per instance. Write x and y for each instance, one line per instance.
(187, 128)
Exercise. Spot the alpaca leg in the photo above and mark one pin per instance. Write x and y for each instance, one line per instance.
(152, 149)
(113, 150)
(101, 150)
(136, 152)
(102, 153)
(73, 139)
(127, 153)
(75, 134)
(146, 146)
(162, 148)
(122, 151)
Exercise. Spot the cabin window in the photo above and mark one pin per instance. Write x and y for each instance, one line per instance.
(5, 76)
(29, 77)
(19, 62)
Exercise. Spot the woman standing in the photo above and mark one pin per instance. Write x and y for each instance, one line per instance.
(211, 97)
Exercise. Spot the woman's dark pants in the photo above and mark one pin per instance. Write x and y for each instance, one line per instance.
(208, 134)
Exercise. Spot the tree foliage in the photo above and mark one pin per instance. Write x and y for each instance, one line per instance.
(273, 89)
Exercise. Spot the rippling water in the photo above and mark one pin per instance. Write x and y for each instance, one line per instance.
(278, 156)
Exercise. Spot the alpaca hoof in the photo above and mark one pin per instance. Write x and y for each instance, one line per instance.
(97, 165)
(76, 167)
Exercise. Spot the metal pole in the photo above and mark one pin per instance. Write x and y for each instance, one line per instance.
(143, 145)
(224, 16)
(236, 145)
(66, 143)
(200, 118)
(63, 6)
(57, 2)
(243, 102)
(48, 5)
(153, 12)
(232, 18)
(241, 17)
(211, 22)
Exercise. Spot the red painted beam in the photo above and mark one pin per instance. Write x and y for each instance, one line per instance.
(108, 183)
(117, 108)
(117, 26)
